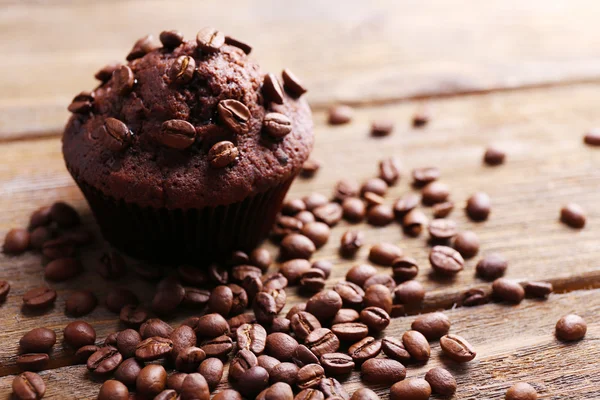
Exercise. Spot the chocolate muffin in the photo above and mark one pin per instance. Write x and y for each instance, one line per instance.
(186, 152)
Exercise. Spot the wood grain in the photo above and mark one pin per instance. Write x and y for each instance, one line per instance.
(361, 53)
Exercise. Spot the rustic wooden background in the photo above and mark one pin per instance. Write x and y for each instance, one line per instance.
(521, 75)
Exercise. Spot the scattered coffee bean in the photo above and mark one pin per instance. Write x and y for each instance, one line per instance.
(571, 327)
(405, 204)
(189, 359)
(112, 266)
(389, 170)
(416, 344)
(364, 394)
(351, 294)
(337, 363)
(372, 200)
(177, 134)
(313, 280)
(309, 376)
(423, 176)
(277, 125)
(332, 389)
(404, 268)
(441, 381)
(246, 48)
(378, 295)
(64, 215)
(521, 391)
(83, 353)
(413, 389)
(253, 381)
(573, 215)
(264, 308)
(538, 289)
(310, 168)
(364, 349)
(62, 269)
(475, 297)
(478, 206)
(279, 390)
(293, 270)
(413, 222)
(433, 325)
(345, 315)
(152, 380)
(81, 302)
(315, 200)
(434, 193)
(353, 209)
(79, 333)
(141, 47)
(375, 318)
(380, 215)
(118, 298)
(212, 370)
(171, 39)
(292, 85)
(340, 114)
(317, 232)
(39, 236)
(128, 371)
(251, 337)
(261, 258)
(271, 89)
(293, 207)
(38, 340)
(322, 341)
(281, 346)
(374, 185)
(324, 305)
(457, 348)
(168, 297)
(228, 394)
(117, 135)
(113, 390)
(467, 244)
(445, 260)
(442, 230)
(210, 40)
(394, 349)
(303, 323)
(380, 279)
(360, 273)
(285, 372)
(384, 253)
(350, 331)
(382, 371)
(382, 127)
(442, 210)
(351, 242)
(507, 290)
(133, 315)
(222, 154)
(33, 361)
(494, 156)
(156, 327)
(303, 356)
(330, 213)
(218, 347)
(16, 241)
(28, 386)
(104, 361)
(183, 337)
(345, 189)
(492, 266)
(240, 272)
(153, 348)
(239, 320)
(111, 339)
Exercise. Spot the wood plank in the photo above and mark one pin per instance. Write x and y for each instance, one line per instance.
(367, 52)
(513, 344)
(547, 166)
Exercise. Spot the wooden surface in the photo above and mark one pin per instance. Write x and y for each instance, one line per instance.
(373, 55)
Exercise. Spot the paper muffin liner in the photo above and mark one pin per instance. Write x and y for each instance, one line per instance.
(198, 236)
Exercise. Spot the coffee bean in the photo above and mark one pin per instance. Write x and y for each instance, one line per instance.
(353, 209)
(374, 185)
(351, 294)
(133, 315)
(413, 389)
(261, 258)
(394, 348)
(303, 356)
(441, 381)
(39, 298)
(330, 213)
(28, 385)
(221, 300)
(478, 206)
(310, 394)
(372, 200)
(279, 296)
(364, 349)
(117, 135)
(405, 268)
(380, 279)
(112, 266)
(228, 394)
(251, 337)
(416, 344)
(182, 71)
(592, 138)
(171, 39)
(467, 244)
(253, 381)
(573, 215)
(177, 134)
(398, 310)
(189, 359)
(111, 339)
(64, 215)
(222, 154)
(413, 222)
(434, 193)
(296, 245)
(309, 376)
(384, 253)
(445, 260)
(350, 331)
(238, 258)
(442, 210)
(192, 275)
(153, 348)
(380, 215)
(571, 327)
(405, 204)
(39, 236)
(358, 274)
(324, 265)
(16, 241)
(507, 290)
(293, 207)
(292, 85)
(183, 337)
(236, 116)
(333, 389)
(322, 341)
(62, 269)
(324, 305)
(106, 72)
(128, 371)
(442, 230)
(38, 340)
(314, 200)
(285, 225)
(378, 296)
(340, 114)
(241, 272)
(246, 48)
(271, 89)
(285, 372)
(118, 298)
(345, 189)
(268, 362)
(239, 320)
(382, 371)
(281, 346)
(310, 168)
(317, 232)
(40, 217)
(79, 333)
(156, 327)
(104, 361)
(212, 370)
(494, 156)
(217, 347)
(279, 390)
(33, 361)
(409, 293)
(538, 289)
(303, 323)
(389, 170)
(521, 391)
(265, 308)
(382, 127)
(168, 297)
(210, 39)
(123, 80)
(58, 248)
(218, 275)
(152, 380)
(475, 297)
(83, 353)
(141, 47)
(491, 267)
(313, 280)
(364, 394)
(167, 394)
(457, 348)
(423, 176)
(113, 390)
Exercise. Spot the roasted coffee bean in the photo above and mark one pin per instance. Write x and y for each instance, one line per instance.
(123, 79)
(405, 204)
(423, 176)
(167, 394)
(133, 315)
(210, 39)
(442, 230)
(445, 260)
(176, 133)
(378, 296)
(152, 380)
(441, 381)
(538, 289)
(153, 348)
(389, 170)
(475, 297)
(409, 293)
(435, 192)
(310, 394)
(303, 356)
(433, 325)
(218, 275)
(382, 371)
(350, 331)
(194, 387)
(416, 344)
(80, 303)
(241, 272)
(324, 265)
(313, 280)
(265, 308)
(39, 236)
(330, 213)
(442, 210)
(239, 320)
(351, 294)
(33, 361)
(106, 72)
(111, 339)
(292, 85)
(353, 209)
(372, 200)
(104, 361)
(405, 268)
(113, 390)
(317, 232)
(40, 217)
(380, 215)
(218, 347)
(141, 47)
(345, 315)
(467, 244)
(310, 168)
(168, 297)
(324, 305)
(337, 363)
(189, 359)
(236, 116)
(280, 345)
(261, 258)
(380, 279)
(293, 207)
(413, 389)
(573, 215)
(252, 285)
(171, 39)
(384, 253)
(494, 156)
(413, 222)
(117, 136)
(28, 386)
(506, 290)
(322, 341)
(303, 323)
(382, 127)
(62, 269)
(296, 245)
(284, 372)
(228, 394)
(457, 348)
(491, 267)
(268, 362)
(571, 327)
(182, 71)
(309, 376)
(182, 337)
(253, 381)
(251, 337)
(38, 340)
(155, 327)
(398, 310)
(315, 200)
(521, 391)
(279, 296)
(79, 333)
(271, 89)
(212, 370)
(118, 298)
(360, 273)
(83, 353)
(64, 215)
(346, 189)
(364, 349)
(394, 348)
(221, 300)
(364, 394)
(274, 281)
(58, 248)
(277, 125)
(246, 48)
(279, 390)
(128, 371)
(340, 114)
(222, 154)
(112, 266)
(16, 241)
(478, 206)
(374, 185)
(192, 275)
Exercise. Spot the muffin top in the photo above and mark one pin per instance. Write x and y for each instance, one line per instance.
(188, 124)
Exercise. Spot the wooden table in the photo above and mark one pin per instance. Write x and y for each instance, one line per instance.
(522, 75)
